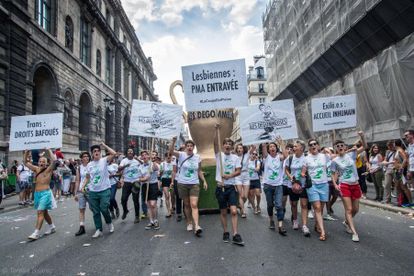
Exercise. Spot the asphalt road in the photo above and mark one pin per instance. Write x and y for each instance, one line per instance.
(385, 248)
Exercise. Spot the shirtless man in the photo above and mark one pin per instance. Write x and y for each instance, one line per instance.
(43, 196)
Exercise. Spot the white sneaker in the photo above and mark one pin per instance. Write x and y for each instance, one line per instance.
(295, 225)
(347, 229)
(97, 234)
(111, 227)
(310, 215)
(329, 217)
(190, 227)
(305, 231)
(355, 238)
(34, 236)
(51, 230)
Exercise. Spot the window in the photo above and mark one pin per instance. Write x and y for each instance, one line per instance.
(98, 62)
(69, 33)
(43, 9)
(261, 88)
(85, 42)
(260, 72)
(262, 100)
(108, 66)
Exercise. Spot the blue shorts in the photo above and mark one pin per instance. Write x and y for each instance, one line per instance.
(227, 198)
(43, 200)
(82, 199)
(318, 192)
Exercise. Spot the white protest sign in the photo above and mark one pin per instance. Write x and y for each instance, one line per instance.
(264, 122)
(334, 112)
(154, 119)
(36, 132)
(215, 85)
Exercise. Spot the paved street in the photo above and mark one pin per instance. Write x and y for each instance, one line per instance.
(385, 247)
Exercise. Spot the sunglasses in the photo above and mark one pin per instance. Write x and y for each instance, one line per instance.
(312, 144)
(340, 146)
(96, 150)
(254, 153)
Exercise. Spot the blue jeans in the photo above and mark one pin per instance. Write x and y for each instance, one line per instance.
(274, 198)
(112, 201)
(143, 204)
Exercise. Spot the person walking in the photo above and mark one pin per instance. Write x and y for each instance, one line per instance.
(375, 169)
(255, 188)
(98, 187)
(166, 169)
(80, 195)
(188, 178)
(242, 180)
(113, 178)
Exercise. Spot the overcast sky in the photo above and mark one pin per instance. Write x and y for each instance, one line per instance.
(184, 32)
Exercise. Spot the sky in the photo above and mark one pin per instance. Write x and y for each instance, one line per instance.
(176, 33)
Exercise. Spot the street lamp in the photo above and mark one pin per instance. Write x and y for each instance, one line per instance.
(109, 103)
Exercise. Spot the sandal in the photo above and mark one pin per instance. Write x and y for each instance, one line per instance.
(322, 237)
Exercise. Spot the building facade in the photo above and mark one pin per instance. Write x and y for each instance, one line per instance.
(80, 58)
(320, 48)
(256, 81)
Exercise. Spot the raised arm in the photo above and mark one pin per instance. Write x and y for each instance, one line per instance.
(282, 147)
(364, 144)
(52, 159)
(216, 142)
(110, 152)
(171, 150)
(264, 151)
(27, 163)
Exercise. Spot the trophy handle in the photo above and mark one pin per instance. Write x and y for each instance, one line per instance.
(174, 99)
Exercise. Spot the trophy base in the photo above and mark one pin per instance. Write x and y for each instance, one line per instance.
(207, 202)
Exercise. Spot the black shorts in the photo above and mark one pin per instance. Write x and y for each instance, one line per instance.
(255, 184)
(332, 190)
(295, 197)
(285, 190)
(152, 192)
(166, 182)
(226, 198)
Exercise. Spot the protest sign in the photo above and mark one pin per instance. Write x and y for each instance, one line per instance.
(264, 122)
(334, 112)
(215, 85)
(36, 132)
(154, 119)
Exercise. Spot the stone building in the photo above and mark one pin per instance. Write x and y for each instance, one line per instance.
(256, 81)
(81, 58)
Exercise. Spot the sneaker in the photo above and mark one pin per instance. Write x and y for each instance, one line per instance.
(34, 236)
(393, 194)
(259, 210)
(306, 231)
(156, 225)
(282, 231)
(310, 215)
(136, 220)
(111, 227)
(226, 237)
(179, 218)
(97, 234)
(237, 239)
(21, 203)
(51, 230)
(124, 215)
(295, 225)
(355, 238)
(190, 227)
(143, 216)
(149, 226)
(272, 225)
(112, 215)
(329, 217)
(198, 231)
(347, 229)
(81, 231)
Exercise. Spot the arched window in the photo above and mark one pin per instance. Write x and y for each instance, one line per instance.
(68, 110)
(69, 33)
(98, 62)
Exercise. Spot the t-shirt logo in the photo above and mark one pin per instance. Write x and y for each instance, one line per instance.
(190, 170)
(319, 173)
(228, 166)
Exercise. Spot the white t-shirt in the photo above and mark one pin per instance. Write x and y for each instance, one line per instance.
(410, 152)
(253, 175)
(286, 181)
(187, 172)
(99, 175)
(374, 161)
(144, 172)
(273, 170)
(83, 170)
(317, 167)
(231, 162)
(25, 173)
(296, 168)
(166, 169)
(345, 166)
(131, 172)
(389, 157)
(112, 169)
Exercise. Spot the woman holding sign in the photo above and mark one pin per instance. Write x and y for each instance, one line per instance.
(188, 177)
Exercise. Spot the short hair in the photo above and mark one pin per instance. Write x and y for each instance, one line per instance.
(84, 153)
(228, 140)
(289, 145)
(189, 142)
(390, 142)
(410, 131)
(338, 142)
(302, 143)
(133, 151)
(313, 139)
(143, 151)
(95, 147)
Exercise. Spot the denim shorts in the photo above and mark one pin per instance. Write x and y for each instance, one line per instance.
(242, 179)
(82, 200)
(23, 185)
(318, 192)
(226, 198)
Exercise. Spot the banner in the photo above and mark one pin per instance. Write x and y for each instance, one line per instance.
(334, 112)
(154, 119)
(36, 132)
(264, 122)
(216, 85)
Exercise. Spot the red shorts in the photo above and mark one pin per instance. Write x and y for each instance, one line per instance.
(352, 191)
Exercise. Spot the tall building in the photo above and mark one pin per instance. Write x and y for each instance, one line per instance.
(80, 58)
(256, 81)
(317, 48)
